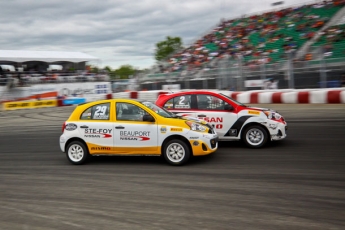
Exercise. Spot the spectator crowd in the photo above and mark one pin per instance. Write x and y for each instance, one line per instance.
(261, 38)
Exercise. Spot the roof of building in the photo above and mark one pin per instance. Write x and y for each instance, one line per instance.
(44, 56)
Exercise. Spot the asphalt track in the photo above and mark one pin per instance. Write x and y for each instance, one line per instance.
(297, 183)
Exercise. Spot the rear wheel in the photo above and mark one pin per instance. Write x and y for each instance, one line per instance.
(77, 152)
(176, 152)
(255, 136)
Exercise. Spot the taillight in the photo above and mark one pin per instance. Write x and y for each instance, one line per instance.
(63, 126)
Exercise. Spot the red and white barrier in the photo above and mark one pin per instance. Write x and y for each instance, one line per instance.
(287, 96)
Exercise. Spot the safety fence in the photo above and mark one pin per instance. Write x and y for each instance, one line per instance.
(234, 74)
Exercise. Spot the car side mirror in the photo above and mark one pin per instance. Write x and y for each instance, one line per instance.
(148, 117)
(228, 107)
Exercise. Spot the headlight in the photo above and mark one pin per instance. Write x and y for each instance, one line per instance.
(195, 126)
(273, 115)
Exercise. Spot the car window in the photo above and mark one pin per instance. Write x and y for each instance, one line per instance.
(129, 112)
(97, 112)
(208, 102)
(160, 111)
(180, 102)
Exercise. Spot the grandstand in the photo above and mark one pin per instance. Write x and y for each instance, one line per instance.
(279, 39)
(266, 37)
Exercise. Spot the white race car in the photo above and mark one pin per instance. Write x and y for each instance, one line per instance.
(232, 120)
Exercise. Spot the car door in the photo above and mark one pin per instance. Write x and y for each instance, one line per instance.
(218, 113)
(132, 135)
(96, 128)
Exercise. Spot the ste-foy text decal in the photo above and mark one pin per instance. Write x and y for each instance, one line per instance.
(98, 133)
(134, 135)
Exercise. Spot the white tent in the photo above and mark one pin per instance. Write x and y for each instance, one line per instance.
(44, 56)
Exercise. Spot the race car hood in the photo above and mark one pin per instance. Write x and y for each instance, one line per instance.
(262, 109)
(188, 118)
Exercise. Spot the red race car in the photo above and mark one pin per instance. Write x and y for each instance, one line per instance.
(231, 119)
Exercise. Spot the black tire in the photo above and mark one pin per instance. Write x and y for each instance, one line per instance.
(176, 152)
(77, 153)
(255, 136)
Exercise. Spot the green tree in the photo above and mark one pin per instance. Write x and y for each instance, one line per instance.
(111, 72)
(125, 71)
(94, 69)
(167, 47)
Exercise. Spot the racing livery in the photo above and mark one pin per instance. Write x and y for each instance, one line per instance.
(130, 127)
(232, 120)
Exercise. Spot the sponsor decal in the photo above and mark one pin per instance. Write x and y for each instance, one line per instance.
(163, 129)
(182, 106)
(101, 148)
(196, 143)
(134, 135)
(253, 112)
(233, 132)
(29, 104)
(216, 122)
(98, 133)
(176, 129)
(217, 126)
(206, 136)
(71, 127)
(101, 117)
(237, 125)
(213, 119)
(193, 138)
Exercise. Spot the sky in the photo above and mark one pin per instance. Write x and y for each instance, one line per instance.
(118, 32)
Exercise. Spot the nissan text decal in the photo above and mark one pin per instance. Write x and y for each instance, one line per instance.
(134, 135)
(98, 133)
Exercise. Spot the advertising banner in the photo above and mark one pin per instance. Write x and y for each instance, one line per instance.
(73, 101)
(171, 87)
(29, 104)
(253, 83)
(83, 89)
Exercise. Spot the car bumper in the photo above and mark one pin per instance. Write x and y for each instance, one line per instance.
(278, 130)
(205, 145)
(62, 141)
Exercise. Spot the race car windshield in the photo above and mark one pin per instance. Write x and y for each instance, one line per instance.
(161, 111)
(236, 102)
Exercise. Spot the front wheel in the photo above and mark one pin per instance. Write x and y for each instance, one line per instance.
(176, 152)
(255, 136)
(77, 152)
